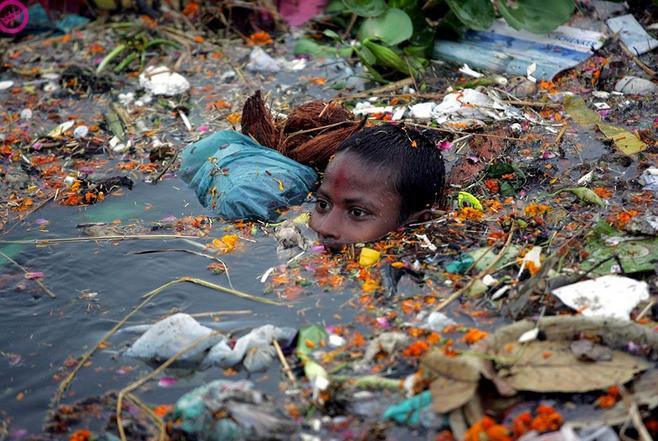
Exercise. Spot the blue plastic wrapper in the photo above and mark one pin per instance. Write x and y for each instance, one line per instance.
(240, 179)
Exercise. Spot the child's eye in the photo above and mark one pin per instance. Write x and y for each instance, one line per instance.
(322, 206)
(358, 213)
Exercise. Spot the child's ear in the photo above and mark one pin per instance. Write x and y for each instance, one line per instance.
(419, 217)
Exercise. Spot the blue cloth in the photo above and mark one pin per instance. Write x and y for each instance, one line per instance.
(240, 179)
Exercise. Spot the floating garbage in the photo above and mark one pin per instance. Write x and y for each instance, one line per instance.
(630, 85)
(229, 411)
(168, 337)
(631, 33)
(606, 296)
(161, 80)
(474, 108)
(261, 61)
(254, 350)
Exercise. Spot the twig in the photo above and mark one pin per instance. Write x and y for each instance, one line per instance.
(156, 419)
(39, 282)
(284, 362)
(133, 386)
(220, 288)
(652, 73)
(483, 273)
(315, 129)
(164, 170)
(645, 311)
(99, 238)
(196, 253)
(63, 386)
(559, 136)
(634, 414)
(539, 104)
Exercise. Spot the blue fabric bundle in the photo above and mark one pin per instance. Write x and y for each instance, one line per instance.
(240, 179)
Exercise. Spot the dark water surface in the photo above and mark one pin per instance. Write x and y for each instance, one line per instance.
(39, 333)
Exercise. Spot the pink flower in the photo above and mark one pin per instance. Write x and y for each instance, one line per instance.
(34, 275)
(167, 382)
(444, 145)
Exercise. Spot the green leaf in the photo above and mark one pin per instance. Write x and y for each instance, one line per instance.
(626, 142)
(366, 56)
(387, 57)
(332, 34)
(476, 14)
(538, 16)
(584, 194)
(313, 334)
(392, 28)
(311, 47)
(579, 112)
(366, 8)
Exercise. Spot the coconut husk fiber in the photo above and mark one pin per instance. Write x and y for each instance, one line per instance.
(310, 134)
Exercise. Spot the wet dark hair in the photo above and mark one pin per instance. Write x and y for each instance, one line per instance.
(415, 161)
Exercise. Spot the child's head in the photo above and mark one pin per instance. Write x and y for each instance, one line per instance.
(380, 178)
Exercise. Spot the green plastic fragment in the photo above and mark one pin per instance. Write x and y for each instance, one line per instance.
(460, 265)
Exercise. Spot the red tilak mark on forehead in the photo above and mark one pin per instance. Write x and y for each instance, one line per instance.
(341, 178)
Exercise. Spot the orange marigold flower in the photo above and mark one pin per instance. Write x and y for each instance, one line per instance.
(521, 423)
(492, 185)
(469, 213)
(191, 9)
(621, 218)
(233, 118)
(163, 409)
(533, 210)
(80, 435)
(603, 192)
(259, 39)
(416, 349)
(474, 335)
(606, 401)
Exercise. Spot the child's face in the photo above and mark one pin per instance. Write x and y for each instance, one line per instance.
(355, 202)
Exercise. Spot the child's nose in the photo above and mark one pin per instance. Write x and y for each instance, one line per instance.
(326, 226)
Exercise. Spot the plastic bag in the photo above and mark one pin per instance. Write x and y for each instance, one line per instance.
(240, 179)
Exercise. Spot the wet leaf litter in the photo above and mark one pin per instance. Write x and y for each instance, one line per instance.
(499, 319)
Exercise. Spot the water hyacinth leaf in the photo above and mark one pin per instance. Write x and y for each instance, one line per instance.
(580, 113)
(465, 198)
(309, 338)
(476, 14)
(485, 256)
(365, 8)
(392, 28)
(536, 366)
(625, 141)
(538, 16)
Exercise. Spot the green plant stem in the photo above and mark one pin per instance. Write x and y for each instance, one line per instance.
(109, 57)
(125, 62)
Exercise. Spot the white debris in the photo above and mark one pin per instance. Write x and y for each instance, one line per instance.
(466, 70)
(427, 243)
(50, 87)
(630, 85)
(293, 65)
(531, 70)
(60, 129)
(126, 99)
(119, 147)
(632, 34)
(50, 76)
(336, 341)
(586, 178)
(80, 132)
(474, 108)
(422, 110)
(529, 335)
(489, 280)
(500, 292)
(435, 321)
(261, 61)
(532, 257)
(398, 114)
(601, 94)
(26, 114)
(649, 179)
(161, 80)
(601, 106)
(608, 296)
(169, 336)
(366, 108)
(4, 85)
